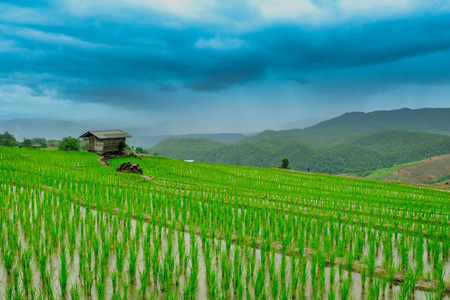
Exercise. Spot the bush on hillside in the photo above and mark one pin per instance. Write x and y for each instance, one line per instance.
(69, 144)
(7, 142)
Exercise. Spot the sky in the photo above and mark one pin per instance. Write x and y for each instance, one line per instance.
(205, 66)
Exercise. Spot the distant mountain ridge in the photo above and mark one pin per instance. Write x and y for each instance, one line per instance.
(344, 128)
(406, 119)
(354, 143)
(351, 125)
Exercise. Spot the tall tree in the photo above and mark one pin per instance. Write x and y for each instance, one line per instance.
(284, 164)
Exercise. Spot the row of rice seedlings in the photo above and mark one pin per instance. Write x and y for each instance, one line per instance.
(228, 217)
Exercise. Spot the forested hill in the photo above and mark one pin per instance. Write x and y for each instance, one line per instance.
(360, 156)
(352, 125)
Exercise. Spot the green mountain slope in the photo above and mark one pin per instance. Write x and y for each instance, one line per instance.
(362, 155)
(352, 125)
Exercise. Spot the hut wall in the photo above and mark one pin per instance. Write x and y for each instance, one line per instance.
(90, 143)
(94, 144)
(98, 145)
(112, 145)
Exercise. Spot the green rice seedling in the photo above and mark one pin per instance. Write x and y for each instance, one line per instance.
(438, 275)
(332, 275)
(251, 263)
(436, 250)
(212, 285)
(283, 270)
(103, 273)
(295, 278)
(9, 292)
(437, 295)
(238, 270)
(120, 256)
(320, 283)
(164, 276)
(304, 271)
(419, 255)
(126, 285)
(345, 288)
(341, 270)
(88, 281)
(445, 248)
(349, 264)
(331, 293)
(404, 256)
(193, 277)
(409, 285)
(75, 291)
(48, 286)
(383, 285)
(116, 296)
(260, 285)
(16, 277)
(391, 273)
(81, 257)
(275, 286)
(100, 290)
(240, 291)
(313, 271)
(363, 276)
(132, 262)
(271, 263)
(8, 259)
(105, 254)
(26, 270)
(63, 272)
(114, 276)
(226, 276)
(89, 261)
(374, 290)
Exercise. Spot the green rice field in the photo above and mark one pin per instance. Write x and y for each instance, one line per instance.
(75, 229)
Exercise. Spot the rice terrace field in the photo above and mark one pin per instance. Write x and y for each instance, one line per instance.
(73, 229)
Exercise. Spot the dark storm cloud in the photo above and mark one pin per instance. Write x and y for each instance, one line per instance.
(354, 45)
(102, 60)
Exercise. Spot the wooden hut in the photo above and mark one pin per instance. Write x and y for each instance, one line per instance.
(105, 141)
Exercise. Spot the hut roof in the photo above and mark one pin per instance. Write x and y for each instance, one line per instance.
(107, 134)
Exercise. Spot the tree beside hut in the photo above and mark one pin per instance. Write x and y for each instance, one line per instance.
(106, 141)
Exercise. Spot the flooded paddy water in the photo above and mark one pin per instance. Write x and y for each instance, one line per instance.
(113, 256)
(73, 234)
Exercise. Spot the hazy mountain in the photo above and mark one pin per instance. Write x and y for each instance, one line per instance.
(150, 141)
(49, 129)
(57, 129)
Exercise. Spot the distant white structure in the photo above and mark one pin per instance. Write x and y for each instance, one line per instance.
(189, 160)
